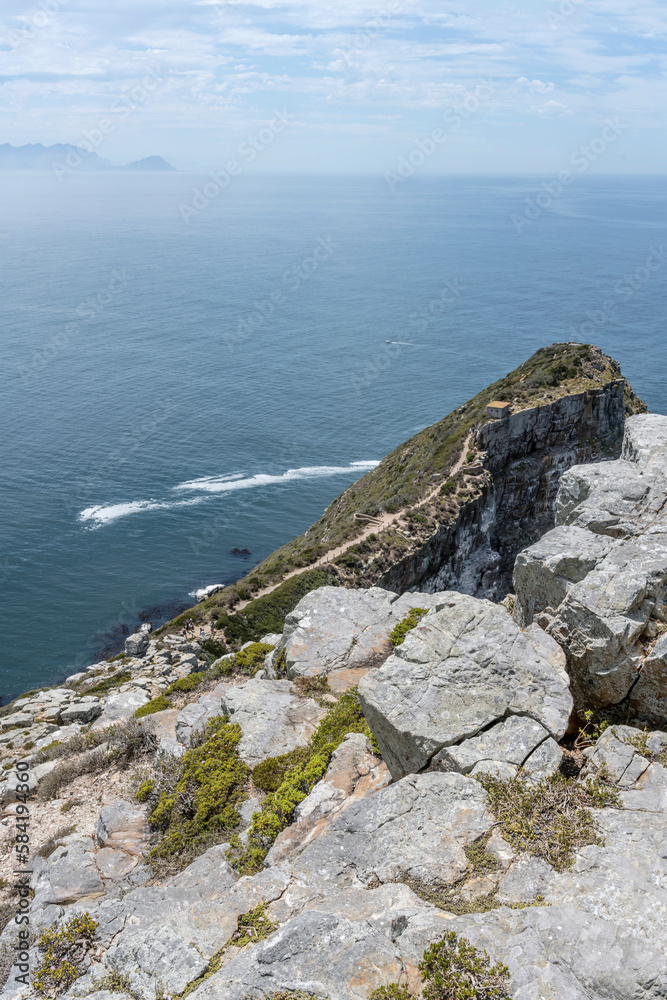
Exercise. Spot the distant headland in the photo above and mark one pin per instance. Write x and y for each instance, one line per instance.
(35, 156)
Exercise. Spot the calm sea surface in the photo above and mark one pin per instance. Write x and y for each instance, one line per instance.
(172, 390)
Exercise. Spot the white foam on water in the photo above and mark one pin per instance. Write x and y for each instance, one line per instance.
(105, 514)
(96, 517)
(223, 484)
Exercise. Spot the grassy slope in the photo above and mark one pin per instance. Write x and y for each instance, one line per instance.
(404, 476)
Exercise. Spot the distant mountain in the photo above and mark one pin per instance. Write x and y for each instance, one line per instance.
(35, 156)
(149, 163)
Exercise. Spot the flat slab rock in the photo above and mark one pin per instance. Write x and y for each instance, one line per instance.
(415, 828)
(463, 668)
(274, 720)
(358, 941)
(333, 628)
(598, 581)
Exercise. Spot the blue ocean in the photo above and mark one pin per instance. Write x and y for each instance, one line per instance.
(178, 386)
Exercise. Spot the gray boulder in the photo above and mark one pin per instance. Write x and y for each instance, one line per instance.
(274, 720)
(121, 706)
(460, 670)
(81, 711)
(136, 644)
(512, 741)
(123, 825)
(334, 628)
(343, 949)
(416, 828)
(598, 581)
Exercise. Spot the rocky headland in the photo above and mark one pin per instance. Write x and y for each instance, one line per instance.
(429, 754)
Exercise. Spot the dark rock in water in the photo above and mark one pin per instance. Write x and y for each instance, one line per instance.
(244, 553)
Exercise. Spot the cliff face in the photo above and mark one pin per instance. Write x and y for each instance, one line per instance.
(514, 489)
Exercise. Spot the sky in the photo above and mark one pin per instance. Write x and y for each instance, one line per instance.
(351, 87)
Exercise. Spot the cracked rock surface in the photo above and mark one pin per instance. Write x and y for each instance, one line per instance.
(465, 667)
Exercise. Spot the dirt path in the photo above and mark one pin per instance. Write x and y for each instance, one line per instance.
(378, 524)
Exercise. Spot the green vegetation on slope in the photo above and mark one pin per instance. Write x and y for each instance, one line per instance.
(194, 803)
(550, 819)
(290, 778)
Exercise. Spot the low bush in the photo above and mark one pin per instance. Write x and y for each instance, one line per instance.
(145, 790)
(252, 927)
(301, 771)
(251, 659)
(312, 687)
(64, 951)
(267, 614)
(196, 799)
(452, 969)
(159, 704)
(64, 774)
(185, 684)
(550, 819)
(214, 648)
(411, 620)
(270, 774)
(125, 742)
(130, 741)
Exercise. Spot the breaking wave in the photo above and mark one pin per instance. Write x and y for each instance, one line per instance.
(96, 517)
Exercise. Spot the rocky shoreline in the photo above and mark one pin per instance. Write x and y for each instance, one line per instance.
(392, 772)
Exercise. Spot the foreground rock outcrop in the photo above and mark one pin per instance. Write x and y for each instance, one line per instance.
(597, 583)
(373, 870)
(465, 669)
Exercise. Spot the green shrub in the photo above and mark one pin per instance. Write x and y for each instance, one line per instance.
(252, 927)
(116, 982)
(108, 683)
(251, 659)
(185, 684)
(64, 952)
(214, 647)
(302, 769)
(391, 992)
(158, 704)
(270, 774)
(145, 790)
(448, 488)
(470, 457)
(200, 798)
(412, 619)
(453, 970)
(550, 819)
(267, 614)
